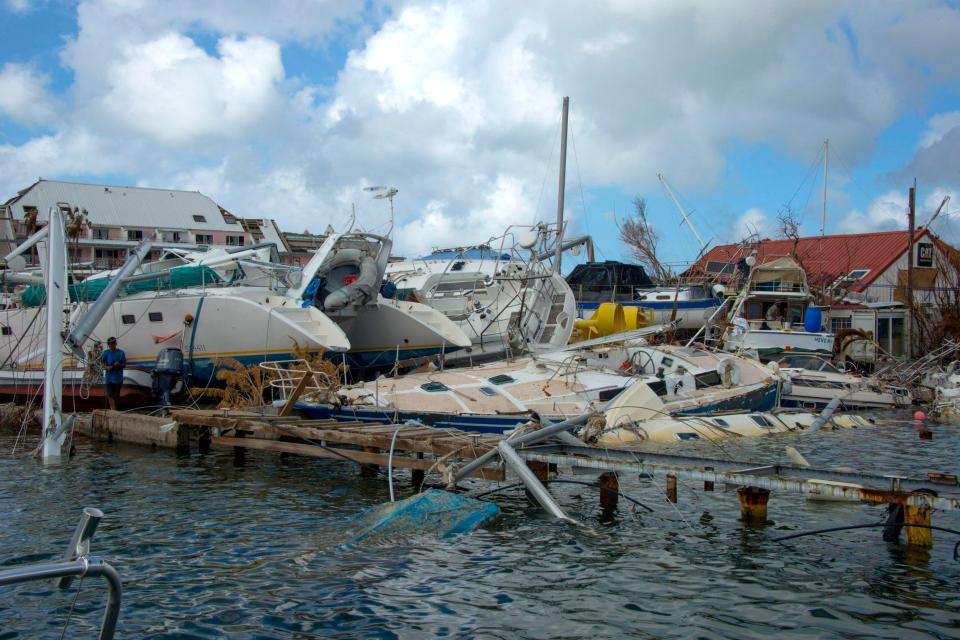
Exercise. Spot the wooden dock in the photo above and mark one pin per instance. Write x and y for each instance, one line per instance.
(414, 446)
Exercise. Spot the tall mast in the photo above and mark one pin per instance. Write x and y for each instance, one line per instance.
(56, 287)
(683, 214)
(826, 168)
(563, 183)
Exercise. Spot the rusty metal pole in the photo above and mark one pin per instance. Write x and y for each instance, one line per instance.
(708, 484)
(609, 491)
(753, 504)
(417, 475)
(911, 222)
(672, 488)
(920, 514)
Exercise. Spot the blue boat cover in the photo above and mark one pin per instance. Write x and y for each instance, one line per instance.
(436, 512)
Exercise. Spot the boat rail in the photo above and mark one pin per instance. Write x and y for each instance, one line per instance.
(286, 377)
(77, 563)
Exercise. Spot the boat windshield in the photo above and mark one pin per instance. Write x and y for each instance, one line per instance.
(810, 363)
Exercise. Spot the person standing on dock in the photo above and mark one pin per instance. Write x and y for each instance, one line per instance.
(114, 360)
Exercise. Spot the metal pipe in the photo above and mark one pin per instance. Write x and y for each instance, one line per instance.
(824, 416)
(76, 568)
(529, 438)
(534, 486)
(87, 323)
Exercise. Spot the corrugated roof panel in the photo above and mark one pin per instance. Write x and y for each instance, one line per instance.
(126, 206)
(824, 258)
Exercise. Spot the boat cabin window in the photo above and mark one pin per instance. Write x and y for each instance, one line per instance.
(458, 288)
(502, 379)
(666, 362)
(688, 436)
(707, 379)
(156, 316)
(659, 387)
(128, 319)
(762, 421)
(487, 391)
(434, 387)
(720, 422)
(609, 394)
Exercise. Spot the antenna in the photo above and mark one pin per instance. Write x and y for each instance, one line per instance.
(385, 193)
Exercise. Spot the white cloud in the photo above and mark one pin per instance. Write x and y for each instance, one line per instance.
(23, 95)
(170, 90)
(938, 126)
(457, 104)
(17, 6)
(752, 222)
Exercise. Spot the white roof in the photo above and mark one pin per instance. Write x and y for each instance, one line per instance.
(126, 206)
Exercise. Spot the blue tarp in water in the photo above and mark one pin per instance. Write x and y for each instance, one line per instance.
(436, 512)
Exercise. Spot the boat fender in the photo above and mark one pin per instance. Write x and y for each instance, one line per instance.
(729, 372)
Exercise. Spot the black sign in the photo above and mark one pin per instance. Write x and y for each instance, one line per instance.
(925, 254)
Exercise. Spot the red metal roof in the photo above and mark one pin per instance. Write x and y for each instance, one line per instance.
(825, 258)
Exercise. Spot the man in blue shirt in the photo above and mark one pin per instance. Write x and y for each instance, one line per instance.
(114, 360)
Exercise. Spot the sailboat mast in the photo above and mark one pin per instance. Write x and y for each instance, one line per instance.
(683, 214)
(826, 169)
(563, 182)
(56, 287)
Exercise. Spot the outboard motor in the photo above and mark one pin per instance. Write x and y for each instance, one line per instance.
(167, 371)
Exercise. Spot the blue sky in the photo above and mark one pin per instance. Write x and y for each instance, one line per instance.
(288, 110)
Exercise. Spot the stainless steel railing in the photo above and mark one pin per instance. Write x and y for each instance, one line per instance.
(77, 564)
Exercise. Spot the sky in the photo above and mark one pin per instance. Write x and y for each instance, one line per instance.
(289, 109)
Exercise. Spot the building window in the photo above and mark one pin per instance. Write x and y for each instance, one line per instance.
(839, 324)
(198, 218)
(857, 274)
(204, 238)
(127, 319)
(156, 316)
(235, 241)
(99, 233)
(5, 330)
(135, 234)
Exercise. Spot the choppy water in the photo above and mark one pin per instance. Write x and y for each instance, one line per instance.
(208, 548)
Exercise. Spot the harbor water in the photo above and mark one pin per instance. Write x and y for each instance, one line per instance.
(210, 546)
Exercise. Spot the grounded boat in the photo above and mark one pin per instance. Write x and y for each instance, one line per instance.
(780, 286)
(689, 305)
(497, 397)
(332, 306)
(811, 382)
(505, 304)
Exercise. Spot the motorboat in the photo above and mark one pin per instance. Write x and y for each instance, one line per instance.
(506, 300)
(686, 304)
(772, 314)
(811, 382)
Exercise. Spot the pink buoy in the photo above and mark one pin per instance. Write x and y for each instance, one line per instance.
(919, 415)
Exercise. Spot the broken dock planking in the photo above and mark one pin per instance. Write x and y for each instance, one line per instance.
(459, 454)
(415, 447)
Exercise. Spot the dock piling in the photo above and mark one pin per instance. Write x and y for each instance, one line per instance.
(753, 505)
(672, 488)
(708, 484)
(609, 491)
